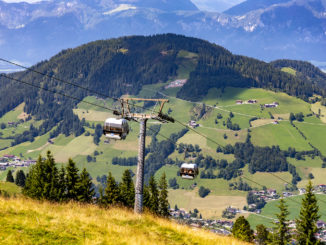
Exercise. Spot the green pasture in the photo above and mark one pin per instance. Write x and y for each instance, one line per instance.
(282, 134)
(289, 70)
(294, 206)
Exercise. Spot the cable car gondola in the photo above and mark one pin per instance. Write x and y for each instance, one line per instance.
(117, 129)
(189, 170)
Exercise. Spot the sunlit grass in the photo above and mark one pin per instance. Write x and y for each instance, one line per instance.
(26, 221)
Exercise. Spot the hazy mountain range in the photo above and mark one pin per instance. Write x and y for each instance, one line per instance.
(265, 29)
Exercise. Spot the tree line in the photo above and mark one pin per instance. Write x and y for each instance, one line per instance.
(46, 182)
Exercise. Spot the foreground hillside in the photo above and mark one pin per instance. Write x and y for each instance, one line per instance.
(29, 222)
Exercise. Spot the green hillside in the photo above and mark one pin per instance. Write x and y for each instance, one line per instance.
(36, 121)
(32, 222)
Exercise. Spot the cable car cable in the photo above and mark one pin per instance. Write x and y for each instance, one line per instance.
(95, 92)
(77, 99)
(56, 92)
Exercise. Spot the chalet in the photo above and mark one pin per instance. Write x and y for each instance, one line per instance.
(302, 191)
(232, 210)
(193, 124)
(271, 192)
(252, 101)
(239, 102)
(9, 156)
(321, 224)
(287, 194)
(273, 105)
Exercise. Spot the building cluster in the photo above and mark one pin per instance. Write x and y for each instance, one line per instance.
(176, 83)
(217, 226)
(240, 102)
(14, 161)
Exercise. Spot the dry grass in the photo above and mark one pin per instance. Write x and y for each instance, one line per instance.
(26, 221)
(210, 206)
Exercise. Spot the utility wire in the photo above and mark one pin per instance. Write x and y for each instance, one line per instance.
(56, 92)
(95, 92)
(107, 108)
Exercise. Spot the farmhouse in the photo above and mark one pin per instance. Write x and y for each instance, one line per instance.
(272, 105)
(193, 124)
(253, 101)
(239, 102)
(176, 83)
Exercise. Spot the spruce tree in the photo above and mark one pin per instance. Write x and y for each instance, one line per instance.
(84, 186)
(127, 190)
(50, 188)
(20, 178)
(111, 192)
(281, 231)
(10, 178)
(35, 180)
(306, 224)
(262, 237)
(241, 230)
(72, 179)
(163, 197)
(62, 185)
(153, 200)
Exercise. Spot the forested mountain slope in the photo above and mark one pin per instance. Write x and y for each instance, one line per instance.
(122, 66)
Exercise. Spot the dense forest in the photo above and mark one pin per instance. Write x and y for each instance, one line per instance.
(119, 66)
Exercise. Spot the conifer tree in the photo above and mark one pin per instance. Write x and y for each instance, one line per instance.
(62, 184)
(10, 178)
(241, 230)
(306, 224)
(163, 197)
(50, 189)
(84, 186)
(72, 179)
(153, 200)
(20, 178)
(34, 181)
(127, 190)
(262, 237)
(112, 192)
(282, 232)
(146, 197)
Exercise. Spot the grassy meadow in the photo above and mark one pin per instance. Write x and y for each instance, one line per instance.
(25, 221)
(294, 205)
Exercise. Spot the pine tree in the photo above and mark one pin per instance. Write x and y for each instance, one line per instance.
(35, 180)
(241, 230)
(50, 188)
(20, 178)
(163, 197)
(306, 224)
(127, 190)
(112, 192)
(153, 200)
(281, 231)
(10, 178)
(262, 237)
(84, 186)
(72, 179)
(62, 184)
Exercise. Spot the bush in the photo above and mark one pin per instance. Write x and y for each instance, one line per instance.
(203, 192)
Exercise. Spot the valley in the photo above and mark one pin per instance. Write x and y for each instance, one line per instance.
(248, 108)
